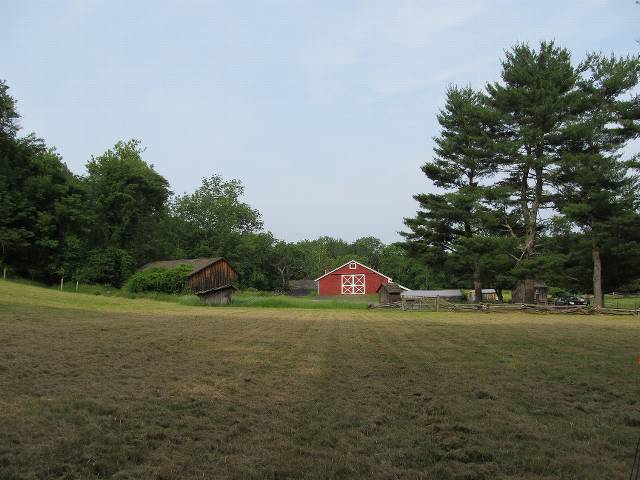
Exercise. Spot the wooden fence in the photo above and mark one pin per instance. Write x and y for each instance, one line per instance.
(438, 304)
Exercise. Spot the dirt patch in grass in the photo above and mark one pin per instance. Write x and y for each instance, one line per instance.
(112, 388)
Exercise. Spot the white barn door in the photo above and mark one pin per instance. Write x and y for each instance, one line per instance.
(353, 284)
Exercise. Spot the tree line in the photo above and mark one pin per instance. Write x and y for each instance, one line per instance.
(102, 226)
(533, 178)
(531, 174)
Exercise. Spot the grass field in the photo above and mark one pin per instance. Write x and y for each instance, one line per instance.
(618, 301)
(245, 298)
(105, 387)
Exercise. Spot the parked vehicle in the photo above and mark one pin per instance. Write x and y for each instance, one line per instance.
(566, 299)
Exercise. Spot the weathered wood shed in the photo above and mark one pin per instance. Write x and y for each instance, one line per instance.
(389, 293)
(213, 282)
(211, 278)
(488, 295)
(530, 291)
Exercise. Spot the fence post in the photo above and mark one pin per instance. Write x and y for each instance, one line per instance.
(437, 303)
(61, 283)
(76, 285)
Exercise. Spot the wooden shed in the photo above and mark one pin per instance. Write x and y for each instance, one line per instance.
(211, 278)
(488, 295)
(530, 291)
(389, 293)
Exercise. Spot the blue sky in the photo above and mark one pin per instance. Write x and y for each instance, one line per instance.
(324, 109)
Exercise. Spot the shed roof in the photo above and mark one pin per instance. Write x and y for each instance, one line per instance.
(485, 290)
(432, 293)
(391, 287)
(197, 263)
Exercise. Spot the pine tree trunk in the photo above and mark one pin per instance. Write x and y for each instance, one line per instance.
(499, 294)
(598, 295)
(477, 284)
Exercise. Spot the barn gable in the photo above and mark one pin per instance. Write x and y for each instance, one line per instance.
(351, 278)
(350, 267)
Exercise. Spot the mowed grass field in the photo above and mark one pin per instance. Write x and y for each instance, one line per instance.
(100, 387)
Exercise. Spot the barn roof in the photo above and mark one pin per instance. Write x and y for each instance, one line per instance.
(347, 263)
(391, 287)
(432, 293)
(197, 263)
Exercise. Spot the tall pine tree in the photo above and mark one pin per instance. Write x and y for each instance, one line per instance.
(598, 191)
(450, 227)
(534, 99)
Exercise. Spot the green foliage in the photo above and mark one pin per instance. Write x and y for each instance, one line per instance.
(537, 92)
(597, 190)
(453, 229)
(165, 280)
(128, 198)
(407, 270)
(547, 136)
(554, 133)
(212, 219)
(41, 210)
(110, 266)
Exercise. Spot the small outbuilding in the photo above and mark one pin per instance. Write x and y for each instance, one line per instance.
(389, 293)
(300, 288)
(488, 295)
(530, 291)
(211, 278)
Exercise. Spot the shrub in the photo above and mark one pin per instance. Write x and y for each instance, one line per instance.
(171, 280)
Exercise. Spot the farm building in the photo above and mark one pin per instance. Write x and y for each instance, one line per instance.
(352, 278)
(389, 293)
(211, 278)
(488, 295)
(454, 295)
(299, 288)
(530, 291)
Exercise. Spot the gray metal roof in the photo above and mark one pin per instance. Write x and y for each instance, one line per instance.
(451, 293)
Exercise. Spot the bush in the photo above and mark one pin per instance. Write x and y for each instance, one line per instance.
(171, 280)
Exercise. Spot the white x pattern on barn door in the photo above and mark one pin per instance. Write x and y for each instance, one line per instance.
(353, 284)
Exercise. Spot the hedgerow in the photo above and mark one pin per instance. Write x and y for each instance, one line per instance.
(171, 280)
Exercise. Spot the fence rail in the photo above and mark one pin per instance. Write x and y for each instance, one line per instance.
(438, 304)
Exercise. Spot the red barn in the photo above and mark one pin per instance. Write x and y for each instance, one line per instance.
(352, 278)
